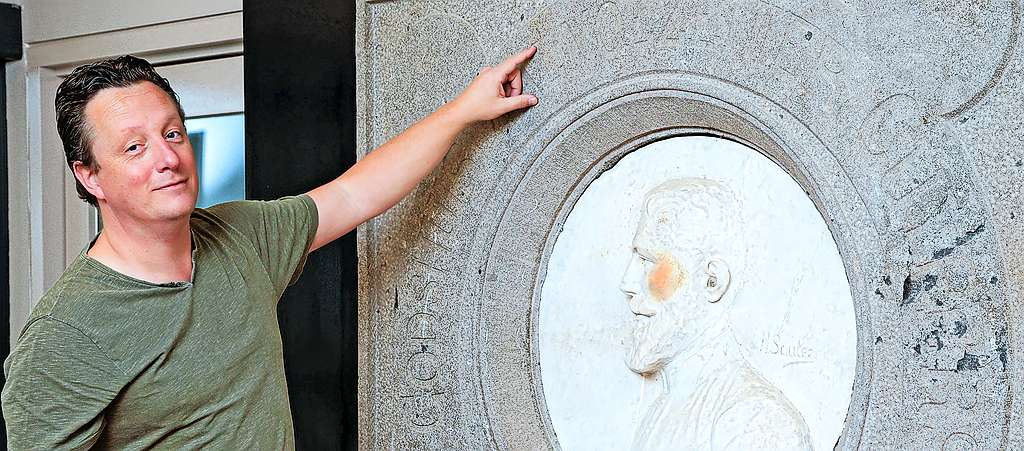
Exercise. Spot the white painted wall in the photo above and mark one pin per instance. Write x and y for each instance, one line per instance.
(47, 222)
(45, 20)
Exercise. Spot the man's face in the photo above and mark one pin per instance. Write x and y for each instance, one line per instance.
(146, 169)
(660, 293)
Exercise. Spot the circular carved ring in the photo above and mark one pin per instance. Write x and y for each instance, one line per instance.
(575, 146)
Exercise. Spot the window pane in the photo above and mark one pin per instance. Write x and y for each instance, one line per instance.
(219, 146)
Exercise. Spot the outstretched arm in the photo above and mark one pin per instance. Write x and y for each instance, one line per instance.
(386, 175)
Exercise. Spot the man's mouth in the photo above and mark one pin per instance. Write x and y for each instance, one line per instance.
(643, 356)
(172, 185)
(640, 326)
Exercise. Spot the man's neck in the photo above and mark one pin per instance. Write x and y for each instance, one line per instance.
(159, 253)
(714, 353)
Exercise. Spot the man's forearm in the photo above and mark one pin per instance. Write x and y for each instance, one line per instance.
(387, 174)
(391, 171)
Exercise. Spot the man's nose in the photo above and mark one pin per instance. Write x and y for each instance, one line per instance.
(168, 156)
(631, 285)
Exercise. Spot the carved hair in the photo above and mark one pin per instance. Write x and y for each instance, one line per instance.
(695, 216)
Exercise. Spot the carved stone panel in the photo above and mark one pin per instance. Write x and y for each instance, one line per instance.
(891, 124)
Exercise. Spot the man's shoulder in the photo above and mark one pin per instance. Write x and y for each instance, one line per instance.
(248, 208)
(45, 330)
(225, 217)
(227, 210)
(760, 414)
(78, 283)
(72, 303)
(123, 318)
(52, 343)
(245, 217)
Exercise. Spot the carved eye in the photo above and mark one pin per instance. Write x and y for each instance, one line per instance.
(643, 257)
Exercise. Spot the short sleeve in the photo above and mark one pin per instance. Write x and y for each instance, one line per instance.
(281, 230)
(59, 382)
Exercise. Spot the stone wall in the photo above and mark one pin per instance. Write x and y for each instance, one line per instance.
(899, 120)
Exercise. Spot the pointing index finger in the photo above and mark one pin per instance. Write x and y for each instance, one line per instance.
(514, 61)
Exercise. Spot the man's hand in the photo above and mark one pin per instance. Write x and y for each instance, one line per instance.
(390, 172)
(495, 91)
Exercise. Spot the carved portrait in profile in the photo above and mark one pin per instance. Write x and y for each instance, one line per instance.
(686, 267)
(694, 298)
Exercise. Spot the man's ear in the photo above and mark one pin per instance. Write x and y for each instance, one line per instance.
(718, 279)
(87, 177)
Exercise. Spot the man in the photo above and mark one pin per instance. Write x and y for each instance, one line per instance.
(684, 273)
(163, 331)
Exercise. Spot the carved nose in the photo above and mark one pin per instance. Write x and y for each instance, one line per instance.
(630, 284)
(632, 288)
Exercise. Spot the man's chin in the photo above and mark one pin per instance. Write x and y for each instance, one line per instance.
(177, 209)
(643, 363)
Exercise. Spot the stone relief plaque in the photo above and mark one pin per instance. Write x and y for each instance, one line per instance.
(896, 121)
(695, 298)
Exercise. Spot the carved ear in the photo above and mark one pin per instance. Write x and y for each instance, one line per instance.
(87, 177)
(718, 279)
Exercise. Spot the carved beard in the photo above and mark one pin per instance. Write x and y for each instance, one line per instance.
(656, 341)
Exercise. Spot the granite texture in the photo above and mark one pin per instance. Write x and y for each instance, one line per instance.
(899, 119)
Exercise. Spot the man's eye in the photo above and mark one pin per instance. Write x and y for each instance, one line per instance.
(133, 148)
(642, 257)
(174, 134)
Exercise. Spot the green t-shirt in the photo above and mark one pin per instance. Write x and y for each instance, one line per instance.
(111, 361)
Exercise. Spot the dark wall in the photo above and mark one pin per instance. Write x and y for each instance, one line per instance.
(10, 50)
(5, 285)
(300, 133)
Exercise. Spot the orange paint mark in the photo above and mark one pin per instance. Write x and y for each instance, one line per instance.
(665, 278)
